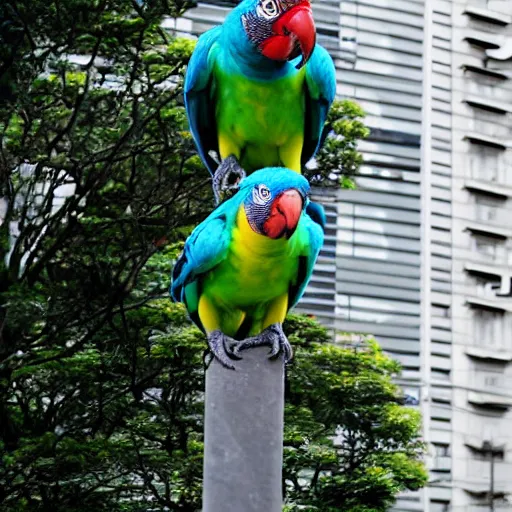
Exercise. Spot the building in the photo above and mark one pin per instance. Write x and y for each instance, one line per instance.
(421, 254)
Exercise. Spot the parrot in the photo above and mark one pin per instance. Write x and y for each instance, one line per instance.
(248, 263)
(258, 89)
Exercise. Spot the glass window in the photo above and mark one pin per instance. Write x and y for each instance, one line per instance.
(486, 164)
(487, 208)
(491, 248)
(441, 450)
(488, 328)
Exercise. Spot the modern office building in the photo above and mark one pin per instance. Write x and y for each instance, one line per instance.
(421, 254)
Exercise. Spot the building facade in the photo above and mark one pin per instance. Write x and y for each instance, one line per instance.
(420, 255)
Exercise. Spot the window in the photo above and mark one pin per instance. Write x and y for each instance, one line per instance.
(411, 396)
(486, 164)
(441, 450)
(441, 374)
(490, 248)
(488, 328)
(439, 506)
(487, 208)
(440, 310)
(487, 287)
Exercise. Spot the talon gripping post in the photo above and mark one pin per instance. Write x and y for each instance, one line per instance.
(248, 263)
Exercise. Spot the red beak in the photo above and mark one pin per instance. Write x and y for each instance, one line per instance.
(295, 25)
(284, 215)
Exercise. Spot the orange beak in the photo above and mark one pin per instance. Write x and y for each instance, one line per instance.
(284, 215)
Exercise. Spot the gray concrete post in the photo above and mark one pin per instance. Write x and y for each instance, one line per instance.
(243, 428)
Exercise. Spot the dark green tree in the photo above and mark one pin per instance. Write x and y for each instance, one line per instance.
(99, 180)
(101, 376)
(350, 444)
(338, 159)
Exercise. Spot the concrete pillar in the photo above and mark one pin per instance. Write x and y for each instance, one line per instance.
(244, 420)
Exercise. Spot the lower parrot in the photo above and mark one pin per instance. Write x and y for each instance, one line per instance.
(248, 263)
(258, 89)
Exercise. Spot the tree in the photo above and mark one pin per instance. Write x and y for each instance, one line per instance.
(338, 160)
(101, 376)
(100, 181)
(346, 393)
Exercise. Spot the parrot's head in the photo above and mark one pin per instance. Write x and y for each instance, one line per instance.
(274, 201)
(279, 29)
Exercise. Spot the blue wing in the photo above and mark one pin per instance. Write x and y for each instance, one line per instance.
(205, 248)
(314, 240)
(317, 214)
(320, 93)
(197, 92)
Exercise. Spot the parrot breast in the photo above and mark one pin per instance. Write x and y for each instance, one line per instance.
(256, 271)
(260, 116)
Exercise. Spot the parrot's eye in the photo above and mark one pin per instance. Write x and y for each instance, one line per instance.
(261, 195)
(268, 9)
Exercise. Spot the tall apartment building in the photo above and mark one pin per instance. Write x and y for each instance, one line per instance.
(421, 254)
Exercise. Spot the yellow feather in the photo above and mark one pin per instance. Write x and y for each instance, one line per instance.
(253, 280)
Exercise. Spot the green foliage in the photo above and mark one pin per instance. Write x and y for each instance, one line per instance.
(346, 393)
(101, 376)
(339, 160)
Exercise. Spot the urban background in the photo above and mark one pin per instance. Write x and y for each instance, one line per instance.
(421, 253)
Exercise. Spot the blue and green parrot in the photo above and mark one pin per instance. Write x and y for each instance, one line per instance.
(258, 88)
(248, 263)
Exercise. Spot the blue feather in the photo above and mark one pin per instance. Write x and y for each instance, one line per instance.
(205, 247)
(317, 214)
(321, 91)
(312, 250)
(198, 101)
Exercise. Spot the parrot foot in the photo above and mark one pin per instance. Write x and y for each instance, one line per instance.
(272, 336)
(222, 348)
(226, 179)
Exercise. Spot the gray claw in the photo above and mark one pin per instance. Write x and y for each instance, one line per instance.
(286, 349)
(223, 348)
(282, 346)
(228, 168)
(272, 336)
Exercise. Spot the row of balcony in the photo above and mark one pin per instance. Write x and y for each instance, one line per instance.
(497, 296)
(498, 48)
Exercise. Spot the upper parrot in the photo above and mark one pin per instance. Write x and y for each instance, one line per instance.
(248, 263)
(258, 88)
